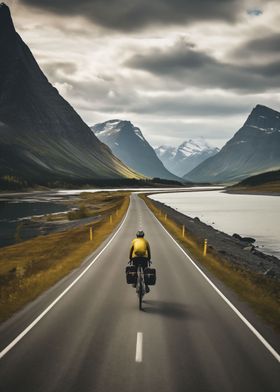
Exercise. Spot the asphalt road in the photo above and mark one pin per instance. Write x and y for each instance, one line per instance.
(90, 340)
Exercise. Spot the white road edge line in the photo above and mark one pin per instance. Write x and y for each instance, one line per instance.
(36, 321)
(139, 347)
(236, 311)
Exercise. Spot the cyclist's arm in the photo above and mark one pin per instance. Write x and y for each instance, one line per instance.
(131, 252)
(149, 250)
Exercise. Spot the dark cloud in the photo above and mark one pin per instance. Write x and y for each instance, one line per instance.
(267, 45)
(93, 95)
(58, 70)
(129, 15)
(269, 71)
(187, 105)
(190, 67)
(181, 56)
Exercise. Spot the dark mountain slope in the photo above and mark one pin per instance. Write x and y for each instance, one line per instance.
(128, 144)
(255, 148)
(42, 138)
(261, 179)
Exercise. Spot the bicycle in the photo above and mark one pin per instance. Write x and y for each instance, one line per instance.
(140, 285)
(140, 275)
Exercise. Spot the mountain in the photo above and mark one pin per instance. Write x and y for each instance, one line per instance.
(186, 157)
(128, 144)
(264, 183)
(254, 149)
(42, 138)
(261, 179)
(166, 153)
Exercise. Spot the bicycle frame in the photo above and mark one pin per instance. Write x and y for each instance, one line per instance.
(140, 285)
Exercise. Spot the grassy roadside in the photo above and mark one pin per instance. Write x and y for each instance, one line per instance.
(261, 293)
(271, 188)
(30, 267)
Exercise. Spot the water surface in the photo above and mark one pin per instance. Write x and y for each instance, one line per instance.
(248, 215)
(13, 211)
(14, 207)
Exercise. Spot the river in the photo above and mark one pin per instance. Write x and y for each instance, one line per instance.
(15, 208)
(18, 207)
(255, 216)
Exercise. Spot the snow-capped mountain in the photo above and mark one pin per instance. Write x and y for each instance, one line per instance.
(130, 146)
(166, 153)
(254, 149)
(182, 159)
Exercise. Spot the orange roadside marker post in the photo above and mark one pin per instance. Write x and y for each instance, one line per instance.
(205, 247)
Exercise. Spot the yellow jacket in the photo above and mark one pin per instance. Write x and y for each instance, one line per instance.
(140, 248)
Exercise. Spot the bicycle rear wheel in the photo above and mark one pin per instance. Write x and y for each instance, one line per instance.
(140, 294)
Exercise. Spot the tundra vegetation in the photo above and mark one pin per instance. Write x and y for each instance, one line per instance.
(272, 188)
(264, 183)
(30, 267)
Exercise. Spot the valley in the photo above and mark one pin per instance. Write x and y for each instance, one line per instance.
(141, 129)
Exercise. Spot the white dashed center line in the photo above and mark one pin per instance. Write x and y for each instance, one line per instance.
(139, 347)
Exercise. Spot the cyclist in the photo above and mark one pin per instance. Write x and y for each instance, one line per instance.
(140, 252)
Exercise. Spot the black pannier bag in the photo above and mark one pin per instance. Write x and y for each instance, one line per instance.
(131, 274)
(150, 276)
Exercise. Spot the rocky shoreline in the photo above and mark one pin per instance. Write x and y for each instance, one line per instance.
(249, 191)
(234, 249)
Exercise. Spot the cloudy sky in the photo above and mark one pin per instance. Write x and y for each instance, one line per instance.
(178, 69)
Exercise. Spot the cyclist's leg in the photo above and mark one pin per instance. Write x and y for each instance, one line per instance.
(145, 265)
(135, 262)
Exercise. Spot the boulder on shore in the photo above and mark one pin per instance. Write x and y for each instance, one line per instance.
(244, 239)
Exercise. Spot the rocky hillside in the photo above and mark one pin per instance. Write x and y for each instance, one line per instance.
(180, 160)
(128, 144)
(254, 149)
(42, 138)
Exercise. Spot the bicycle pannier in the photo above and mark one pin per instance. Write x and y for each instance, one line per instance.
(150, 276)
(131, 274)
